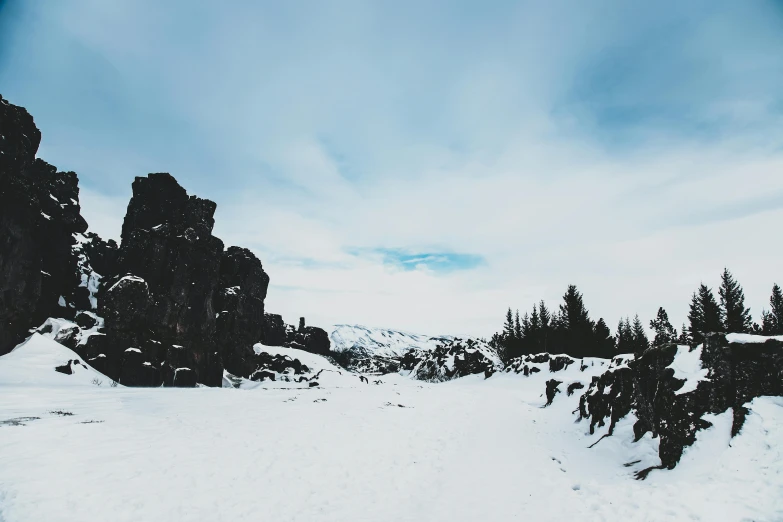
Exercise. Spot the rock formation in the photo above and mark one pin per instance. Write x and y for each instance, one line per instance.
(450, 360)
(167, 306)
(735, 373)
(39, 213)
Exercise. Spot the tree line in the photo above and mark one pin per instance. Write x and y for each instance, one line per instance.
(570, 330)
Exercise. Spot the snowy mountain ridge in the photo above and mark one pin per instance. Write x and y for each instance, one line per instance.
(365, 341)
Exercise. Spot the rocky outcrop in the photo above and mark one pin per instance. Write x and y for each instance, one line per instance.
(167, 306)
(453, 359)
(160, 298)
(239, 301)
(275, 331)
(39, 215)
(670, 405)
(309, 338)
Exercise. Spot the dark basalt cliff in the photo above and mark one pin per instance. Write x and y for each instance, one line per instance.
(167, 306)
(39, 213)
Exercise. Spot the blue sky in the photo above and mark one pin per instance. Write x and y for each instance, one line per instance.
(424, 165)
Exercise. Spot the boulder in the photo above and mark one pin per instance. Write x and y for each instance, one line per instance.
(274, 330)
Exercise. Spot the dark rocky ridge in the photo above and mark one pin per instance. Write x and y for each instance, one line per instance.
(172, 306)
(453, 359)
(737, 373)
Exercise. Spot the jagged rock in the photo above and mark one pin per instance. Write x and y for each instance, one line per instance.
(19, 139)
(85, 320)
(573, 387)
(311, 339)
(101, 254)
(450, 360)
(552, 390)
(167, 243)
(137, 370)
(157, 292)
(240, 304)
(39, 213)
(274, 330)
(559, 363)
(648, 386)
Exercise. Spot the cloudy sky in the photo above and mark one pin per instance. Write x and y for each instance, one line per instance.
(424, 165)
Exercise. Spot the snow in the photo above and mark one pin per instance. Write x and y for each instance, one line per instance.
(465, 450)
(47, 216)
(33, 363)
(751, 338)
(687, 367)
(381, 342)
(61, 302)
(125, 279)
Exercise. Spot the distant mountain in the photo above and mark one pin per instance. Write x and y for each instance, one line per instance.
(362, 341)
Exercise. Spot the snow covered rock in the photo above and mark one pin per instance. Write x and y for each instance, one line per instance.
(451, 360)
(377, 350)
(40, 361)
(672, 390)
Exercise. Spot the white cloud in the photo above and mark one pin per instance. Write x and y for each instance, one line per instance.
(629, 148)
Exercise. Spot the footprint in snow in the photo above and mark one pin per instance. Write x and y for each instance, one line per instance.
(19, 421)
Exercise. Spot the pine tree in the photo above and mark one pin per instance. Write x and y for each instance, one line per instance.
(508, 328)
(664, 331)
(624, 337)
(736, 318)
(576, 327)
(604, 339)
(517, 326)
(768, 324)
(684, 338)
(696, 319)
(776, 303)
(544, 319)
(640, 341)
(705, 315)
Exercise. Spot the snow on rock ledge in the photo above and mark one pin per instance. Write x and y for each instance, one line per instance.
(672, 391)
(35, 361)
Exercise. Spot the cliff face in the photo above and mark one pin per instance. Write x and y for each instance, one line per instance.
(39, 213)
(671, 388)
(167, 306)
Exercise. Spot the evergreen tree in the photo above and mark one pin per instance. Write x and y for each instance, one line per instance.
(768, 324)
(640, 341)
(684, 338)
(508, 328)
(534, 321)
(576, 329)
(776, 304)
(545, 319)
(624, 337)
(704, 315)
(736, 318)
(664, 331)
(517, 326)
(604, 339)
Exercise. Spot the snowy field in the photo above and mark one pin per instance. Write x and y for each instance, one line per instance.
(466, 450)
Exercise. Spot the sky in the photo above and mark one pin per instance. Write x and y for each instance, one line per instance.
(425, 165)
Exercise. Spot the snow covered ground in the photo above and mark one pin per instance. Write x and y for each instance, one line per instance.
(466, 450)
